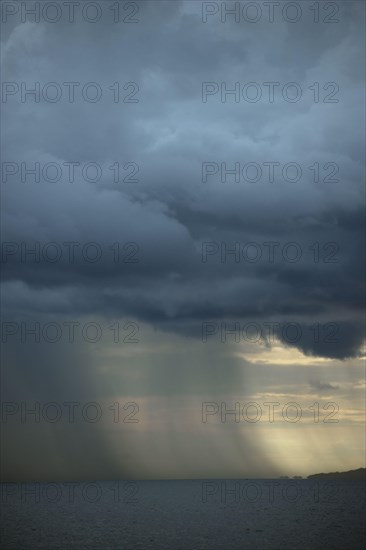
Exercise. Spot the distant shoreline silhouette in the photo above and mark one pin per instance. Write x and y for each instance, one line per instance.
(360, 473)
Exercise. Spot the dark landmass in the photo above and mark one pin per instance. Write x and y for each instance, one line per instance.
(360, 473)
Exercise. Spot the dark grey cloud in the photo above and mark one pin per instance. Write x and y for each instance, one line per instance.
(170, 212)
(322, 386)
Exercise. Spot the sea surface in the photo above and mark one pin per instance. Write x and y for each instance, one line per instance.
(187, 515)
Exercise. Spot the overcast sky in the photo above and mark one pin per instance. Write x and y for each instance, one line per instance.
(191, 237)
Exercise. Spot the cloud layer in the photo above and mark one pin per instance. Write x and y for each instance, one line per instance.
(194, 245)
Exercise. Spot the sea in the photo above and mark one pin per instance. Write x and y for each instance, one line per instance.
(265, 514)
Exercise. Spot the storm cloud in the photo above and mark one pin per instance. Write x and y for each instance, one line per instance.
(223, 210)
